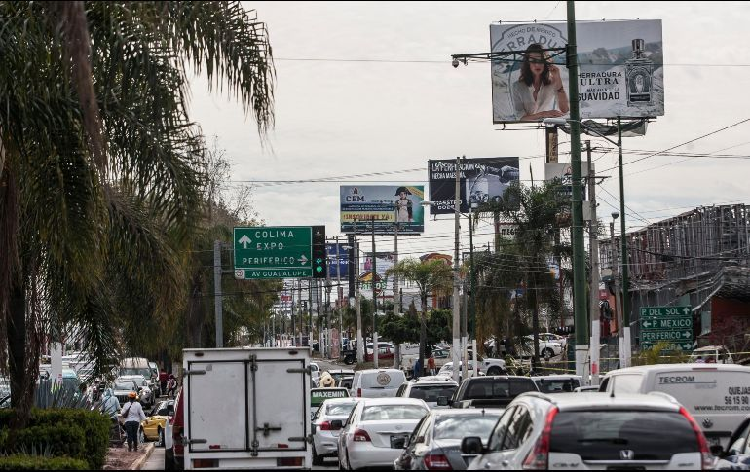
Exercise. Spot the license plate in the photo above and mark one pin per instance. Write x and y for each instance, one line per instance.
(714, 441)
(398, 436)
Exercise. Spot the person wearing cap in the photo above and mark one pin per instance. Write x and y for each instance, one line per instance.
(403, 206)
(133, 414)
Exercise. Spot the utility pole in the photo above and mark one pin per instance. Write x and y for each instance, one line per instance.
(360, 339)
(374, 300)
(310, 312)
(339, 295)
(579, 269)
(594, 289)
(292, 313)
(618, 295)
(219, 317)
(625, 359)
(397, 357)
(456, 350)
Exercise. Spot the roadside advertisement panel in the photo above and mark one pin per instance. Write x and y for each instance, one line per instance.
(388, 205)
(482, 180)
(621, 71)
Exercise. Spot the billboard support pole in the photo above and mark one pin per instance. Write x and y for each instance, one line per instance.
(360, 339)
(594, 289)
(339, 293)
(374, 299)
(625, 362)
(217, 295)
(579, 269)
(456, 349)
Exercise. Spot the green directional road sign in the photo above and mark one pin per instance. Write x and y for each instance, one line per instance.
(672, 325)
(266, 252)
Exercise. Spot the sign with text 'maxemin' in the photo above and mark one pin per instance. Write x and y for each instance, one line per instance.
(270, 252)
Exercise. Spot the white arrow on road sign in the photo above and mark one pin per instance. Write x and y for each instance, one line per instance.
(303, 259)
(686, 310)
(687, 334)
(245, 241)
(647, 324)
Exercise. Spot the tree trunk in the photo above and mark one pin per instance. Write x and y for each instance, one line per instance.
(17, 352)
(195, 313)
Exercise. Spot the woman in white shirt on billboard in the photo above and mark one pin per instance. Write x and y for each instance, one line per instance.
(539, 92)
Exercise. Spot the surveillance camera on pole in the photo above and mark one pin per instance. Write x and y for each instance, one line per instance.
(615, 215)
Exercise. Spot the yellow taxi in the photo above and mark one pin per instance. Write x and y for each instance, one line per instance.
(153, 426)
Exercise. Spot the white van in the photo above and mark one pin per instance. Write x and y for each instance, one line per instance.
(717, 395)
(376, 383)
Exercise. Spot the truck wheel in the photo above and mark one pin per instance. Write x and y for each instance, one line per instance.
(317, 459)
(169, 460)
(160, 441)
(548, 353)
(349, 360)
(495, 371)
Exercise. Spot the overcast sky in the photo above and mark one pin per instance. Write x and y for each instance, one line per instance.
(339, 117)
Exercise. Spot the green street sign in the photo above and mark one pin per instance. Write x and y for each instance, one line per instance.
(670, 323)
(660, 311)
(685, 346)
(266, 252)
(654, 337)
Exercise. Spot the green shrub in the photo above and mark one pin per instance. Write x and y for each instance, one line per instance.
(31, 462)
(80, 434)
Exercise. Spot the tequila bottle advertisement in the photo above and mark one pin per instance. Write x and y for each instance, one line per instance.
(621, 71)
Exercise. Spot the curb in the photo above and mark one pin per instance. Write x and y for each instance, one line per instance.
(142, 460)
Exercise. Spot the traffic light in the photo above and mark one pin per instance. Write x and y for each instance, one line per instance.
(320, 269)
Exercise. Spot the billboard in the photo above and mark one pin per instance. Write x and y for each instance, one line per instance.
(384, 261)
(482, 180)
(340, 268)
(387, 204)
(621, 71)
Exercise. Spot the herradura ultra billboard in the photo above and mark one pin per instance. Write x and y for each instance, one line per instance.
(621, 71)
(389, 207)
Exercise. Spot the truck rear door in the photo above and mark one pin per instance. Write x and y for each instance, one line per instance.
(247, 408)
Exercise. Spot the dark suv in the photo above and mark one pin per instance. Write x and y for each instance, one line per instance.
(491, 391)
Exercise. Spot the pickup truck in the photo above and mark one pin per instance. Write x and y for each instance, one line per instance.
(247, 428)
(488, 366)
(490, 392)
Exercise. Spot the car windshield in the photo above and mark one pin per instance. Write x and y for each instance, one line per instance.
(558, 386)
(603, 435)
(124, 386)
(430, 393)
(145, 372)
(459, 427)
(489, 389)
(340, 409)
(393, 412)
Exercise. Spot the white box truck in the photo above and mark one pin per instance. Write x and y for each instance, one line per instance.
(247, 408)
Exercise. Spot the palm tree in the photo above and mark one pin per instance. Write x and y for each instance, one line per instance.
(525, 259)
(100, 175)
(434, 277)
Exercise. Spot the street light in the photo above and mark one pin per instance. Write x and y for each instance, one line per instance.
(625, 352)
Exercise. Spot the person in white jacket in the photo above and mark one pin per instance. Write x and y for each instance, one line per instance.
(133, 415)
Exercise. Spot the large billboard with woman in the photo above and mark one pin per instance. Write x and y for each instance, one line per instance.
(620, 70)
(390, 208)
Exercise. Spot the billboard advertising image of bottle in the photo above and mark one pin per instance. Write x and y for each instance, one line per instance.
(621, 71)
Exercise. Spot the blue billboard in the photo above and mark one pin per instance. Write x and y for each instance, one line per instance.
(342, 266)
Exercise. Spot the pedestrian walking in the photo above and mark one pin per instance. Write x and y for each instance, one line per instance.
(171, 386)
(163, 379)
(133, 415)
(431, 364)
(417, 370)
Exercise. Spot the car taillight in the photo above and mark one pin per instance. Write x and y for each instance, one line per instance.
(707, 459)
(537, 459)
(325, 426)
(359, 392)
(437, 462)
(361, 435)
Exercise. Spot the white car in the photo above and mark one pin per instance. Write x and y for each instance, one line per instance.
(592, 431)
(547, 349)
(447, 371)
(145, 395)
(367, 437)
(326, 426)
(315, 373)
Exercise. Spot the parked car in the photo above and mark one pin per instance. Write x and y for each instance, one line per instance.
(154, 426)
(436, 440)
(490, 392)
(174, 451)
(386, 351)
(373, 383)
(583, 431)
(713, 393)
(712, 355)
(447, 370)
(371, 429)
(558, 383)
(547, 349)
(325, 435)
(429, 389)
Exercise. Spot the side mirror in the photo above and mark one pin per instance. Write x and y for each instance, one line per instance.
(717, 450)
(442, 401)
(337, 424)
(472, 445)
(399, 442)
